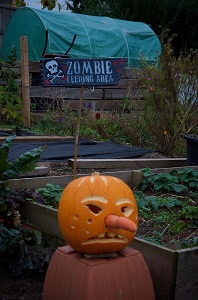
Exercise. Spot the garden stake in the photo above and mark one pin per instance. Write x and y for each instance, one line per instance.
(77, 134)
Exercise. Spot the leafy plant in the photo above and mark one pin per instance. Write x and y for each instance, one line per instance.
(51, 194)
(168, 182)
(16, 234)
(10, 102)
(9, 170)
(170, 92)
(167, 203)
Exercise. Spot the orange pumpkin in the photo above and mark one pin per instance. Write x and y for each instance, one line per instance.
(97, 214)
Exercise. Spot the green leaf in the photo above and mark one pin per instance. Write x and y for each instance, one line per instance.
(24, 163)
(158, 186)
(179, 188)
(4, 151)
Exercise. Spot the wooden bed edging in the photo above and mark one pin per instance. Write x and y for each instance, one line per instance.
(174, 272)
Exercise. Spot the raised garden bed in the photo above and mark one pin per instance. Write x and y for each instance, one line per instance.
(174, 272)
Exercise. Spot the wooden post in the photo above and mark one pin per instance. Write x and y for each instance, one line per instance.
(25, 80)
(77, 134)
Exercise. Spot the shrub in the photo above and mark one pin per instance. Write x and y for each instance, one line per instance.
(10, 102)
(170, 90)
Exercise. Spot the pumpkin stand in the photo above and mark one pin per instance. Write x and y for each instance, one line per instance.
(98, 218)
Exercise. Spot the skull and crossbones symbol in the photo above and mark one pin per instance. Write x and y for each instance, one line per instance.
(53, 70)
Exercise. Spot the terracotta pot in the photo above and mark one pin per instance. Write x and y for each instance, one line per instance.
(71, 276)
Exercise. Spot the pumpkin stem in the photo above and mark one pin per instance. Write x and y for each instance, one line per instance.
(95, 173)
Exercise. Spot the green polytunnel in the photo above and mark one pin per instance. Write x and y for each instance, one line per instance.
(52, 32)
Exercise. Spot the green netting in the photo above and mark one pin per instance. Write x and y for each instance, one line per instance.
(95, 36)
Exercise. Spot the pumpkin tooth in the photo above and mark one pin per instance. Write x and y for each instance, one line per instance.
(120, 236)
(101, 235)
(111, 234)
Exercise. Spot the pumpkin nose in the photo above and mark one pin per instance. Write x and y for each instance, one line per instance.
(116, 222)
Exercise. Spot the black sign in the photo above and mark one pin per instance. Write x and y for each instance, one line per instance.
(77, 72)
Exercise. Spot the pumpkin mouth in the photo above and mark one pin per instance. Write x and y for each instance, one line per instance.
(106, 237)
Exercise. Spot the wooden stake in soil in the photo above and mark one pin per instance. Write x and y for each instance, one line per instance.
(77, 134)
(25, 80)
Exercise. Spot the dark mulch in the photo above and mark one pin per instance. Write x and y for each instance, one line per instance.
(12, 287)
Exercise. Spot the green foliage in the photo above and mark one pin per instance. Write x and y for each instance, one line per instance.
(50, 4)
(8, 238)
(10, 170)
(171, 98)
(165, 201)
(156, 202)
(51, 193)
(175, 181)
(59, 122)
(187, 177)
(15, 235)
(10, 103)
(190, 214)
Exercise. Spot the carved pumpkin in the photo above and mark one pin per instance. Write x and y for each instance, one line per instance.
(97, 214)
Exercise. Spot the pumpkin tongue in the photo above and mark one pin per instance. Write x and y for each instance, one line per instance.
(116, 222)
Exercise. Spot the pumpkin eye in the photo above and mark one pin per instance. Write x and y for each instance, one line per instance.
(95, 209)
(127, 210)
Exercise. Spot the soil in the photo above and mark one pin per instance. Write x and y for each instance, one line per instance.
(14, 287)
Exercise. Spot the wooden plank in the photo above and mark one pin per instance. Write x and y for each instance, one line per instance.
(134, 163)
(74, 104)
(24, 139)
(95, 105)
(162, 290)
(161, 261)
(137, 177)
(129, 73)
(38, 171)
(29, 183)
(43, 217)
(125, 83)
(40, 182)
(35, 67)
(106, 105)
(116, 93)
(64, 92)
(187, 270)
(187, 290)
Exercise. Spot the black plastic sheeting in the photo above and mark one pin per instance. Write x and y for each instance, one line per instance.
(62, 151)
